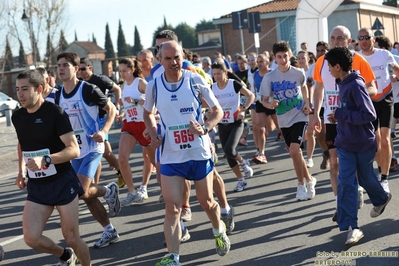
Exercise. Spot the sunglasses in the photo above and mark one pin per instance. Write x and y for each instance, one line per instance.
(82, 68)
(361, 38)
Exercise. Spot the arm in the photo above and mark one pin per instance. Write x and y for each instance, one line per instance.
(318, 95)
(117, 92)
(305, 96)
(250, 99)
(371, 88)
(70, 152)
(20, 180)
(99, 136)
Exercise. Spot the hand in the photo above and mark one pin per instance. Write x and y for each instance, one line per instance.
(35, 164)
(146, 134)
(316, 123)
(274, 104)
(306, 109)
(129, 99)
(20, 181)
(196, 128)
(241, 115)
(331, 118)
(99, 136)
(156, 141)
(119, 118)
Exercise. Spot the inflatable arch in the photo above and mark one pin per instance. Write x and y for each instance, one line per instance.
(311, 22)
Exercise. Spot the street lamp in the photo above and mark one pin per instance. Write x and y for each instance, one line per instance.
(31, 36)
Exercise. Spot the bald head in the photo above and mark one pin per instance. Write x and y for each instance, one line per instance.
(340, 36)
(171, 58)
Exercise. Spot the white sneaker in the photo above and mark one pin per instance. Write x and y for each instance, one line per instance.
(301, 192)
(143, 192)
(136, 197)
(309, 163)
(248, 171)
(108, 237)
(310, 187)
(241, 185)
(354, 235)
(385, 185)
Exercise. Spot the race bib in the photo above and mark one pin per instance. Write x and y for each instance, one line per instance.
(181, 139)
(81, 138)
(332, 100)
(45, 171)
(228, 116)
(133, 113)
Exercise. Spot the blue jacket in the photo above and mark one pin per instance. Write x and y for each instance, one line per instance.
(355, 131)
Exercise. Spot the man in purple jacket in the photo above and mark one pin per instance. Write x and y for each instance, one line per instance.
(356, 144)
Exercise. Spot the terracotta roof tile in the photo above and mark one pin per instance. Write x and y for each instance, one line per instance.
(89, 46)
(279, 6)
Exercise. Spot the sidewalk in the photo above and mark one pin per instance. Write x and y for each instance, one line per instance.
(8, 148)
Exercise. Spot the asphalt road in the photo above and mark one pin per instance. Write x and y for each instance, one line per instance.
(272, 228)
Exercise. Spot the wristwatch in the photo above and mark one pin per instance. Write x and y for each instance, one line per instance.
(205, 129)
(47, 160)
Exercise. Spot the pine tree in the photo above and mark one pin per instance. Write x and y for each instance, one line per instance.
(49, 51)
(137, 42)
(9, 64)
(122, 46)
(165, 26)
(110, 53)
(22, 56)
(93, 38)
(62, 44)
(76, 36)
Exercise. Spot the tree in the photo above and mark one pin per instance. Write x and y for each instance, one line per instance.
(76, 36)
(44, 17)
(186, 35)
(165, 26)
(110, 53)
(137, 47)
(22, 56)
(93, 38)
(122, 46)
(9, 59)
(205, 25)
(50, 57)
(62, 44)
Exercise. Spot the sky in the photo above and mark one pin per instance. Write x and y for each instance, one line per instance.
(91, 16)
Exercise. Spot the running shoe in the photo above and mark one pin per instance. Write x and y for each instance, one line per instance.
(242, 142)
(114, 205)
(136, 197)
(394, 164)
(107, 238)
(354, 235)
(222, 242)
(301, 192)
(228, 220)
(241, 185)
(325, 163)
(309, 163)
(378, 210)
(143, 192)
(245, 167)
(121, 181)
(260, 159)
(71, 261)
(186, 214)
(310, 187)
(168, 260)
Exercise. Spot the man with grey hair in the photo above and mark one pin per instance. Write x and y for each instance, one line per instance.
(184, 144)
(206, 65)
(146, 58)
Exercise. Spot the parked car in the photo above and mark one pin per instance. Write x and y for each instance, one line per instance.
(8, 103)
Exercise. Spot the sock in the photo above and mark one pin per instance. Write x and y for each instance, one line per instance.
(336, 198)
(219, 230)
(384, 177)
(143, 187)
(225, 210)
(379, 169)
(66, 255)
(182, 225)
(326, 153)
(185, 206)
(241, 179)
(176, 257)
(109, 228)
(118, 172)
(394, 157)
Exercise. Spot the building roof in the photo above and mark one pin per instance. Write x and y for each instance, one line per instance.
(280, 6)
(90, 47)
